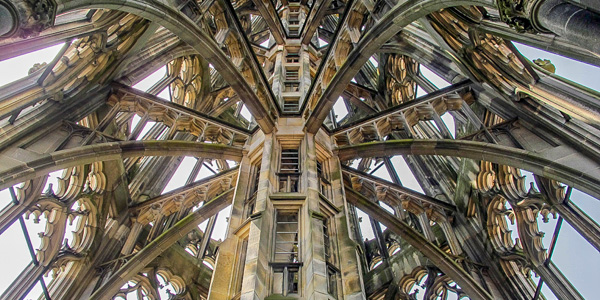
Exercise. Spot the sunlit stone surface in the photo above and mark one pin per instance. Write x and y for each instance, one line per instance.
(299, 149)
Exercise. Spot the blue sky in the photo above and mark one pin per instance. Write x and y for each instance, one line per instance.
(573, 255)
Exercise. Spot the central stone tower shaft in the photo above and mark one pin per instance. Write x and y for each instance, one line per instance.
(289, 233)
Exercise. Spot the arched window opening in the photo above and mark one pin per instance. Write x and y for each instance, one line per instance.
(25, 64)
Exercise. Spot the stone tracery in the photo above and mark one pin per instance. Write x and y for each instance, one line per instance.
(294, 189)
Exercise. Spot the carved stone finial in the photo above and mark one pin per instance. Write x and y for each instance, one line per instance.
(513, 14)
(36, 67)
(545, 64)
(49, 191)
(28, 17)
(518, 14)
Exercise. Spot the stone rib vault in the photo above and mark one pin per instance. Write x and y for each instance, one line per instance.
(294, 109)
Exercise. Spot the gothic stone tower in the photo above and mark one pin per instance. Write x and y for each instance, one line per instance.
(337, 93)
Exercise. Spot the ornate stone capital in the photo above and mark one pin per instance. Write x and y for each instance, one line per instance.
(25, 18)
(521, 15)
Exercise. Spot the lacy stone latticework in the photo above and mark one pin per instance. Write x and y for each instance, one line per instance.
(285, 114)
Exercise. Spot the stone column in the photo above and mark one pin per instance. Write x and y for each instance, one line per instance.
(576, 24)
(348, 244)
(224, 274)
(255, 284)
(305, 80)
(315, 267)
(278, 75)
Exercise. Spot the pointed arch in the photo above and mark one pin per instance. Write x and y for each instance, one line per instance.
(388, 26)
(183, 27)
(585, 178)
(44, 164)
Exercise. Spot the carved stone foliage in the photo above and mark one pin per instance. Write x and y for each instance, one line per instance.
(513, 12)
(29, 190)
(527, 212)
(183, 198)
(64, 265)
(497, 62)
(524, 214)
(506, 180)
(344, 44)
(486, 179)
(488, 57)
(69, 220)
(429, 282)
(152, 284)
(173, 284)
(187, 86)
(85, 178)
(498, 218)
(55, 214)
(512, 219)
(519, 14)
(89, 59)
(36, 67)
(82, 225)
(140, 286)
(377, 128)
(492, 60)
(545, 64)
(31, 16)
(554, 190)
(200, 126)
(399, 84)
(83, 217)
(80, 217)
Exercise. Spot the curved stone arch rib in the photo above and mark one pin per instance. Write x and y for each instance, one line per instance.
(140, 69)
(551, 43)
(27, 195)
(16, 45)
(410, 235)
(160, 244)
(426, 53)
(167, 107)
(112, 151)
(184, 28)
(586, 180)
(393, 22)
(185, 196)
(399, 189)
